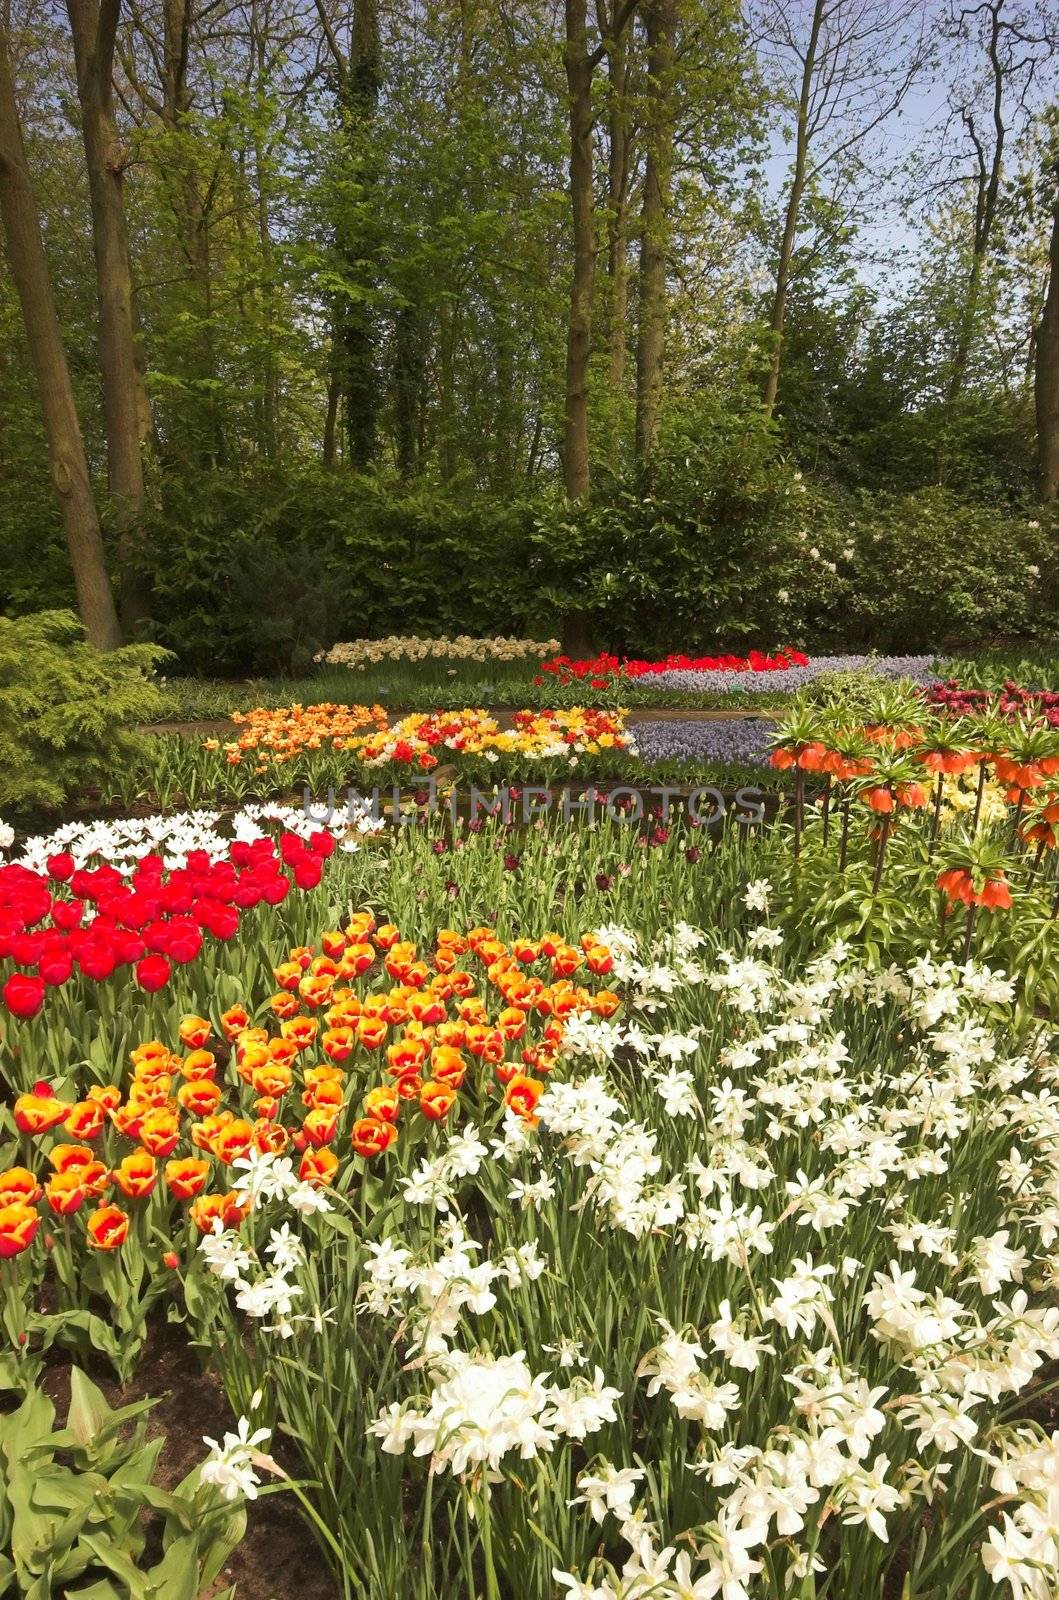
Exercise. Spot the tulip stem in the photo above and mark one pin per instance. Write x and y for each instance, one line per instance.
(825, 813)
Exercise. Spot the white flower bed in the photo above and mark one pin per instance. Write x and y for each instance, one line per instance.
(369, 652)
(791, 1240)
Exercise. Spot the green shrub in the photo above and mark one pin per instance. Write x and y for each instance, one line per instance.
(255, 575)
(929, 568)
(66, 710)
(705, 553)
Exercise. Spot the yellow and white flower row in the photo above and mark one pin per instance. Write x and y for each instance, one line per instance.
(362, 653)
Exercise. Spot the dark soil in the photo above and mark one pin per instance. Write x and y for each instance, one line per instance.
(278, 1558)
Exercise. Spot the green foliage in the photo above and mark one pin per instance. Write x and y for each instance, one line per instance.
(256, 577)
(75, 1504)
(718, 544)
(927, 568)
(65, 709)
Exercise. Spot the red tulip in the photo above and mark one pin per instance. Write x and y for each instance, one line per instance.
(23, 995)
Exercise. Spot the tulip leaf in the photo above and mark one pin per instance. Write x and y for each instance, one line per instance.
(89, 1412)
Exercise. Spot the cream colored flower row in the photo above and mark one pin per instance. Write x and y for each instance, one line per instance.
(368, 652)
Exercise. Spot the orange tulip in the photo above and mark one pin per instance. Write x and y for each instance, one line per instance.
(107, 1228)
(64, 1193)
(108, 1095)
(160, 1131)
(318, 1166)
(320, 1125)
(270, 1137)
(272, 1079)
(19, 1184)
(512, 1022)
(201, 1097)
(136, 1175)
(186, 1177)
(301, 1031)
(199, 1065)
(371, 1032)
(337, 1043)
(203, 1133)
(324, 1092)
(288, 975)
(448, 1065)
(18, 1228)
(205, 1209)
(234, 1020)
(436, 1100)
(522, 1094)
(370, 1137)
(37, 1112)
(85, 1119)
(70, 1157)
(382, 1103)
(233, 1140)
(194, 1032)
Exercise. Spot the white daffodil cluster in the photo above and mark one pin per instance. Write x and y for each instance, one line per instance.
(483, 1408)
(362, 653)
(789, 1228)
(861, 1156)
(268, 1296)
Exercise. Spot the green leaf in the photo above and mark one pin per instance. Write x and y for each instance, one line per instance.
(89, 1412)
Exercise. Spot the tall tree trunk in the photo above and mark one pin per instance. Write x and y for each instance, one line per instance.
(269, 430)
(407, 388)
(618, 164)
(359, 94)
(94, 26)
(334, 394)
(987, 200)
(581, 64)
(197, 423)
(790, 220)
(660, 22)
(1046, 374)
(69, 466)
(579, 68)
